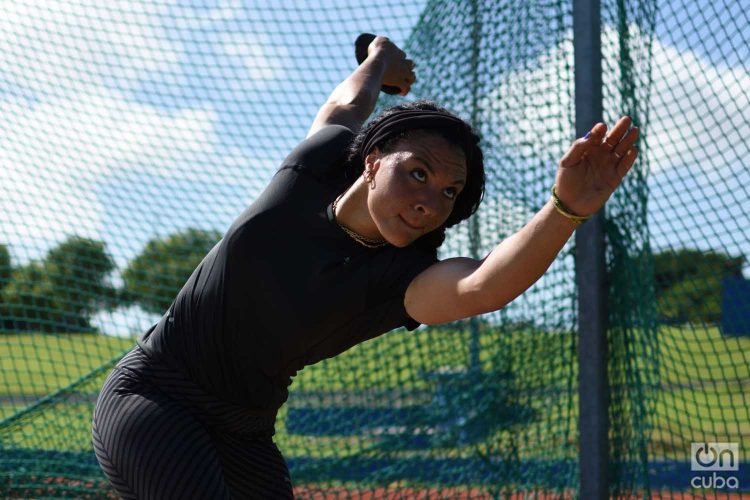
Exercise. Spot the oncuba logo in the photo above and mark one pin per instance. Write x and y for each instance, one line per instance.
(713, 457)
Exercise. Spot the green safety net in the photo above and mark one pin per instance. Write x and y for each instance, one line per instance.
(678, 243)
(132, 133)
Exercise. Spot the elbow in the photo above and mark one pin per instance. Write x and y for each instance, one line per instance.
(482, 298)
(353, 99)
(360, 99)
(478, 298)
(359, 107)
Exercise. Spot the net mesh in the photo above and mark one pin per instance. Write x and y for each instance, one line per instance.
(678, 241)
(132, 133)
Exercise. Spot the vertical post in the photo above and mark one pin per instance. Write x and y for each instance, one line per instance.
(593, 385)
(474, 234)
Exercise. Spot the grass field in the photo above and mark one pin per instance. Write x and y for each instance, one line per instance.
(39, 364)
(703, 393)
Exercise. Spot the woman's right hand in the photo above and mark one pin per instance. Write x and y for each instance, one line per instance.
(399, 71)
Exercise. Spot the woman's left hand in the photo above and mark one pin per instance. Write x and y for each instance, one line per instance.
(594, 166)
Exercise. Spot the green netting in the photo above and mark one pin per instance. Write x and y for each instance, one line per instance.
(132, 133)
(678, 239)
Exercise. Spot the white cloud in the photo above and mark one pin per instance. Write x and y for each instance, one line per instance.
(64, 130)
(696, 108)
(222, 11)
(536, 103)
(696, 126)
(87, 136)
(698, 111)
(72, 129)
(73, 47)
(261, 59)
(53, 153)
(124, 321)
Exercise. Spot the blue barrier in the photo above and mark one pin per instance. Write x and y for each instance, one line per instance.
(665, 474)
(735, 306)
(348, 421)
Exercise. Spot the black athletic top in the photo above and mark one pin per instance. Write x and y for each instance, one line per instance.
(286, 287)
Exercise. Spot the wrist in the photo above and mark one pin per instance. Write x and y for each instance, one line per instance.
(561, 209)
(378, 54)
(559, 219)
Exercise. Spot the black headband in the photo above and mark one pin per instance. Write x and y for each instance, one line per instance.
(413, 119)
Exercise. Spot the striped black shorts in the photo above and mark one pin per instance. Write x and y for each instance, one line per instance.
(156, 434)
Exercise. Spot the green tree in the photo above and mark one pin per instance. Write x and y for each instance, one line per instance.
(61, 292)
(688, 284)
(27, 300)
(5, 267)
(77, 271)
(156, 275)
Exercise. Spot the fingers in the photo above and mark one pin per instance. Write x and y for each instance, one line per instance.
(405, 89)
(626, 143)
(627, 160)
(583, 145)
(617, 132)
(613, 138)
(383, 42)
(409, 66)
(410, 77)
(399, 70)
(620, 141)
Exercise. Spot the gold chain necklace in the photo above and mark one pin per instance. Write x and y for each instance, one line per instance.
(362, 240)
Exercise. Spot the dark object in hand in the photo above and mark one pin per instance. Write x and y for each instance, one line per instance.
(360, 50)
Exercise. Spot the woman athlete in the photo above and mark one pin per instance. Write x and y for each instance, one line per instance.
(340, 247)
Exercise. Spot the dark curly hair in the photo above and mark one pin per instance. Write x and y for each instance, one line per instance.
(470, 196)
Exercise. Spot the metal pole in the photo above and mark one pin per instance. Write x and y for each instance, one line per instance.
(474, 234)
(593, 385)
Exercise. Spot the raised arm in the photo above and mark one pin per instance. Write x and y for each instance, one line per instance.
(354, 99)
(588, 174)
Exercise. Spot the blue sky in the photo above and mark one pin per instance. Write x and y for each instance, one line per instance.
(126, 120)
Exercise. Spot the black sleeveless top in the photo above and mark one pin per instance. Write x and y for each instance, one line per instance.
(285, 287)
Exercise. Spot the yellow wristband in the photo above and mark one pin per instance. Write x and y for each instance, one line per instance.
(576, 219)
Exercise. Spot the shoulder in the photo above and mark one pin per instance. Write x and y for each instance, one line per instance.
(390, 274)
(326, 147)
(395, 269)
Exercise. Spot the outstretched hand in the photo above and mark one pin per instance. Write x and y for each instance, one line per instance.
(595, 165)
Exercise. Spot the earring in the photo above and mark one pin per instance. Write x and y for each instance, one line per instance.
(369, 178)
